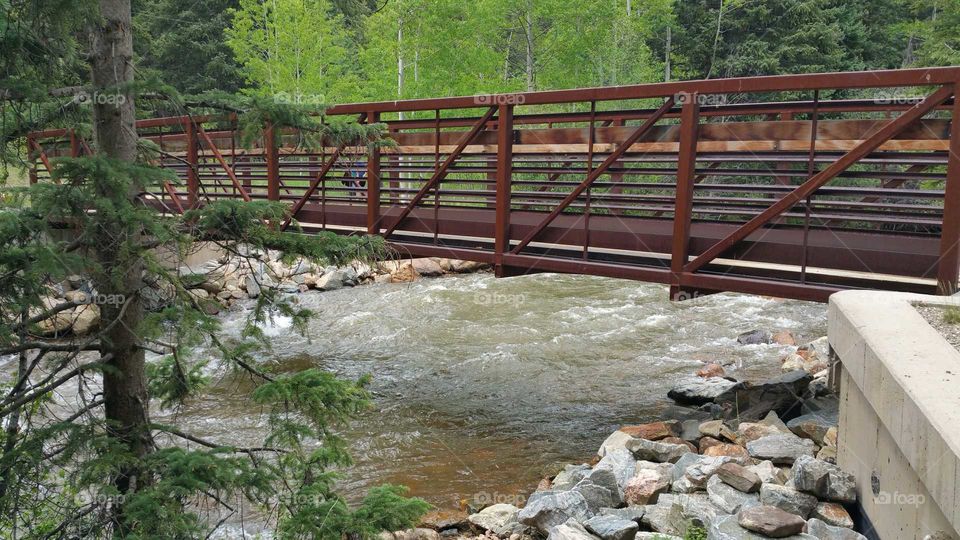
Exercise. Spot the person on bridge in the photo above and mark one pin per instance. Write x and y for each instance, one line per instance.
(355, 178)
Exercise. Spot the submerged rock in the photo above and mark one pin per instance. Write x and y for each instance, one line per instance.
(754, 337)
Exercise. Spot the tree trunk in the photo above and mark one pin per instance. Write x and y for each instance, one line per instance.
(528, 31)
(124, 386)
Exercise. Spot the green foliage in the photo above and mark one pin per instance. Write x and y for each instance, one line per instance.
(951, 315)
(293, 51)
(695, 532)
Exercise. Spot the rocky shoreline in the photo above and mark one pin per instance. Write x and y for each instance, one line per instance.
(732, 460)
(224, 282)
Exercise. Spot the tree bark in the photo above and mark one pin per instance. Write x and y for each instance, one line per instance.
(124, 384)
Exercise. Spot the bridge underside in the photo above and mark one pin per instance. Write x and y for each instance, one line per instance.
(787, 194)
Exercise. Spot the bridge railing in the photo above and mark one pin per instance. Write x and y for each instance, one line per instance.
(792, 185)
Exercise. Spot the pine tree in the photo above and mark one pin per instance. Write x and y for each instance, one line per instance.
(104, 468)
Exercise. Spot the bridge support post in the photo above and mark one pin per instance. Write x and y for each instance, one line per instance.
(373, 182)
(504, 179)
(272, 154)
(686, 171)
(193, 163)
(949, 263)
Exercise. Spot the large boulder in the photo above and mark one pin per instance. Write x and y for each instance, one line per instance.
(656, 451)
(699, 390)
(569, 476)
(622, 463)
(633, 513)
(645, 487)
(768, 473)
(599, 489)
(617, 439)
(57, 324)
(499, 518)
(825, 480)
(546, 509)
(753, 401)
(781, 449)
(609, 527)
(728, 528)
(427, 267)
(739, 477)
(770, 521)
(814, 426)
(86, 319)
(788, 499)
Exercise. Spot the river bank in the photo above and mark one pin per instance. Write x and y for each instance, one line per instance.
(483, 387)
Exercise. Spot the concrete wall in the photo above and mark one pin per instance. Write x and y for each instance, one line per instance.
(899, 413)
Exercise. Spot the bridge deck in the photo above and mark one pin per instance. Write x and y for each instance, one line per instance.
(759, 185)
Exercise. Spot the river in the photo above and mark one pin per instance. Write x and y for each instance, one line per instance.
(482, 386)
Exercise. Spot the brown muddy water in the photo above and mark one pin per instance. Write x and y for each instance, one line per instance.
(482, 386)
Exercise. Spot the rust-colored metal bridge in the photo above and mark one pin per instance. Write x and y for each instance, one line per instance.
(794, 186)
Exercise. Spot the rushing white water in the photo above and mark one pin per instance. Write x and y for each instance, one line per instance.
(484, 385)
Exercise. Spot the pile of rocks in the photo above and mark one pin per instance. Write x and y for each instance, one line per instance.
(660, 480)
(739, 460)
(221, 283)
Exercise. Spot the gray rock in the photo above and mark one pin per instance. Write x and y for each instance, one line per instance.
(697, 474)
(748, 401)
(600, 495)
(546, 509)
(781, 449)
(633, 513)
(699, 390)
(646, 486)
(680, 467)
(690, 430)
(739, 477)
(768, 473)
(617, 439)
(656, 451)
(622, 463)
(569, 476)
(814, 426)
(824, 480)
(657, 517)
(498, 518)
(754, 337)
(788, 499)
(727, 528)
(728, 499)
(770, 521)
(693, 509)
(330, 281)
(569, 530)
(822, 531)
(612, 527)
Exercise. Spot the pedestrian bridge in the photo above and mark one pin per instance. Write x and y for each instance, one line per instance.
(794, 186)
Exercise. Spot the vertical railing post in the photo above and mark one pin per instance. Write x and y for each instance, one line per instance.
(504, 179)
(193, 164)
(686, 171)
(948, 267)
(74, 144)
(32, 159)
(373, 181)
(272, 154)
